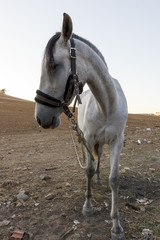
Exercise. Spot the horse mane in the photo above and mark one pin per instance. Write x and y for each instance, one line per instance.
(90, 45)
(48, 50)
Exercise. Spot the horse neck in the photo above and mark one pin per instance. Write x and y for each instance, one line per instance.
(100, 81)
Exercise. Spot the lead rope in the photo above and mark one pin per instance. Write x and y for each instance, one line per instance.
(75, 148)
(81, 140)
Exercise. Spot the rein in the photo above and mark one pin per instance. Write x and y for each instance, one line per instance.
(73, 85)
(81, 139)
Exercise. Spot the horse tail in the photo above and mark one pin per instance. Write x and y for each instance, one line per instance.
(96, 146)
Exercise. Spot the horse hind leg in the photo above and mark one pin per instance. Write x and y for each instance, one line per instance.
(117, 232)
(98, 148)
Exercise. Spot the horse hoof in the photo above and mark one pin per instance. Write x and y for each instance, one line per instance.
(87, 211)
(118, 236)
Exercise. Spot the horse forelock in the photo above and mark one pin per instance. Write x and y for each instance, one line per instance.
(48, 53)
(49, 48)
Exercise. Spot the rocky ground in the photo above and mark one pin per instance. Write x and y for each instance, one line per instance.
(42, 186)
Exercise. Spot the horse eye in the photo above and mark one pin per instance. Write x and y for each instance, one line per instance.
(55, 66)
(52, 66)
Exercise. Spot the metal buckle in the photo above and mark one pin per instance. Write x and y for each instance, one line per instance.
(73, 52)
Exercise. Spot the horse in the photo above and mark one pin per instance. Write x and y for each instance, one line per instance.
(69, 63)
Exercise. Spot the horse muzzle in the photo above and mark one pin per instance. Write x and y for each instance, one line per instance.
(47, 117)
(54, 123)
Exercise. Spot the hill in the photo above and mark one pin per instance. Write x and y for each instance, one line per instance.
(18, 115)
(43, 165)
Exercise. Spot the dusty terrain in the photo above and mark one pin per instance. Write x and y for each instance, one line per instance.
(42, 165)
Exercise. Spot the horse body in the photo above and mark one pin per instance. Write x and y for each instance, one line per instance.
(98, 128)
(101, 116)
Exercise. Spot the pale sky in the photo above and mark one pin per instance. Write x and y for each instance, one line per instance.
(127, 32)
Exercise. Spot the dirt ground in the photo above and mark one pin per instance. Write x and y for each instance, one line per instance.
(42, 165)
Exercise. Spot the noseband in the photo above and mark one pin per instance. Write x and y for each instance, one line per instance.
(73, 85)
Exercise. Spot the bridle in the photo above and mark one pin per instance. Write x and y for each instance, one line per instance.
(72, 85)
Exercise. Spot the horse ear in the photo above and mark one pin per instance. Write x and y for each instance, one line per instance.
(66, 27)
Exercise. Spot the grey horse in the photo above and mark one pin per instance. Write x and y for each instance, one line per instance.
(101, 116)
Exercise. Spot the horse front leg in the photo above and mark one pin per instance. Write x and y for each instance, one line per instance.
(117, 232)
(99, 153)
(87, 207)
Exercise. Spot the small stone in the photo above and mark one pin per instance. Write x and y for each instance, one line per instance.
(139, 142)
(11, 228)
(18, 169)
(89, 235)
(9, 183)
(142, 209)
(19, 204)
(4, 223)
(63, 215)
(134, 236)
(106, 204)
(142, 201)
(147, 231)
(98, 209)
(107, 221)
(30, 153)
(68, 184)
(122, 171)
(22, 196)
(76, 222)
(50, 196)
(1, 175)
(8, 203)
(44, 177)
(152, 169)
(24, 169)
(126, 168)
(10, 152)
(36, 204)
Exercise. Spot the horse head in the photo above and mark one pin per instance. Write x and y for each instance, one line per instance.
(56, 70)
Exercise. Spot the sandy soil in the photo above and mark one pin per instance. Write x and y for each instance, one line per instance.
(42, 164)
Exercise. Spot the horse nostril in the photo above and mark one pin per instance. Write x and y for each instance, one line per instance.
(39, 121)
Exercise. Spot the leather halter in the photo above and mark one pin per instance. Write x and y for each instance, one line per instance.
(72, 85)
